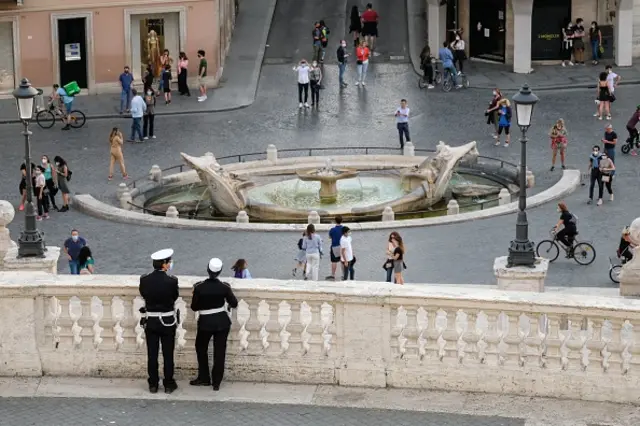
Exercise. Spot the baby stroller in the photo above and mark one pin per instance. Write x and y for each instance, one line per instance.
(623, 255)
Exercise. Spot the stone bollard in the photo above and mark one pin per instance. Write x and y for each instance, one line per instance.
(172, 212)
(242, 217)
(125, 201)
(122, 188)
(314, 218)
(504, 197)
(453, 207)
(272, 153)
(409, 149)
(531, 179)
(388, 215)
(630, 273)
(7, 213)
(155, 174)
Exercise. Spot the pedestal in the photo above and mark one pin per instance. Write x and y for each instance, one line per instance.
(328, 191)
(630, 279)
(521, 278)
(48, 264)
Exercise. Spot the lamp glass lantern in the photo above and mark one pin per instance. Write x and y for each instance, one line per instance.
(525, 100)
(25, 99)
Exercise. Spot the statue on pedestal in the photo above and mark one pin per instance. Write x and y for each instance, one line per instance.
(153, 52)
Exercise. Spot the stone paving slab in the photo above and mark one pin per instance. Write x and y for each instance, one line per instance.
(237, 87)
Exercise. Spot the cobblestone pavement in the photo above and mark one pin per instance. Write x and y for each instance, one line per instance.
(352, 117)
(83, 412)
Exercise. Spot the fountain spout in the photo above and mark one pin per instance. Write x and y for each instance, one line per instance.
(328, 177)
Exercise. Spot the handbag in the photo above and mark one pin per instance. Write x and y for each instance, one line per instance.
(601, 49)
(612, 98)
(606, 178)
(69, 173)
(388, 264)
(359, 62)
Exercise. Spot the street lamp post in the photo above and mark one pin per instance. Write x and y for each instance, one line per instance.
(31, 241)
(521, 251)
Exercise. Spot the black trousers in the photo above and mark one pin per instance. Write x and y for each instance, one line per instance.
(428, 72)
(183, 88)
(147, 124)
(565, 237)
(596, 176)
(403, 130)
(348, 271)
(43, 204)
(303, 88)
(51, 186)
(219, 352)
(157, 334)
(315, 92)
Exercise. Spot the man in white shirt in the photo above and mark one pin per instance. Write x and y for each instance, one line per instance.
(402, 122)
(138, 108)
(613, 80)
(303, 82)
(346, 255)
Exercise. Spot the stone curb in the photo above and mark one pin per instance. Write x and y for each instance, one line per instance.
(255, 77)
(88, 204)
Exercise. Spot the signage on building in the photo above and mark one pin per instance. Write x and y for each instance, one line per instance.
(549, 17)
(72, 52)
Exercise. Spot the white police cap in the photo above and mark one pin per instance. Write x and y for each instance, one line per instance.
(215, 265)
(162, 254)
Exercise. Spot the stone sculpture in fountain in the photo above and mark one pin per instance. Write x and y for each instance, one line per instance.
(424, 185)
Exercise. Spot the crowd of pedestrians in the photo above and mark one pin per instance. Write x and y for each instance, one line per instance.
(47, 180)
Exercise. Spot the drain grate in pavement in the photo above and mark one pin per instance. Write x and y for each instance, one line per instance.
(277, 61)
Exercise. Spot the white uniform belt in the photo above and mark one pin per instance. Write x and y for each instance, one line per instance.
(212, 311)
(160, 314)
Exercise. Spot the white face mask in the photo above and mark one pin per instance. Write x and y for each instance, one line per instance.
(344, 45)
(44, 161)
(495, 93)
(595, 152)
(314, 64)
(457, 38)
(149, 93)
(170, 266)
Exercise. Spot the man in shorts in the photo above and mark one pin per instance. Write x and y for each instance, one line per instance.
(370, 26)
(202, 73)
(60, 95)
(335, 234)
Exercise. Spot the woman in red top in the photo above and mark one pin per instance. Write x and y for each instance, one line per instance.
(362, 62)
(370, 25)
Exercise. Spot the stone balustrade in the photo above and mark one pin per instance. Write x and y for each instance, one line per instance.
(347, 333)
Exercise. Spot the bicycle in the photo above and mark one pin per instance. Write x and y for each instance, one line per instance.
(582, 252)
(447, 83)
(437, 76)
(629, 144)
(46, 118)
(614, 270)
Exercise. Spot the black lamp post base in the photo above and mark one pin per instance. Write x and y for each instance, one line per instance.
(31, 244)
(521, 253)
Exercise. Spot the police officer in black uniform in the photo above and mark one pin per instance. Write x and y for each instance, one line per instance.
(160, 291)
(208, 300)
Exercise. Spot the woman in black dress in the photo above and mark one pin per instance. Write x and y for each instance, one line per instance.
(604, 97)
(355, 27)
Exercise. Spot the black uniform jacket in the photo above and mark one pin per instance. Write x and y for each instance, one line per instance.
(211, 294)
(159, 291)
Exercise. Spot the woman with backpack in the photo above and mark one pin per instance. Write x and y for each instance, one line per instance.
(301, 258)
(64, 176)
(569, 223)
(504, 122)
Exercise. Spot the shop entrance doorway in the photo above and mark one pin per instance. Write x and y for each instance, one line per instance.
(72, 51)
(487, 32)
(549, 17)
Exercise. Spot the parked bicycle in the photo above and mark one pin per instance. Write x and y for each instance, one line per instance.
(582, 252)
(46, 118)
(461, 79)
(437, 75)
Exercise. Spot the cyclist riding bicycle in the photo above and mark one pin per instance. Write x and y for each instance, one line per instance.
(446, 56)
(569, 223)
(60, 97)
(626, 248)
(634, 136)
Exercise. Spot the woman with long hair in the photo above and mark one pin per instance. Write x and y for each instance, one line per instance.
(85, 261)
(51, 178)
(388, 264)
(492, 112)
(240, 269)
(183, 65)
(558, 135)
(355, 26)
(595, 36)
(64, 175)
(301, 258)
(398, 258)
(312, 245)
(603, 97)
(115, 142)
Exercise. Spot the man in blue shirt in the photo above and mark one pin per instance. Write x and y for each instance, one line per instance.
(335, 234)
(126, 80)
(446, 57)
(72, 248)
(64, 98)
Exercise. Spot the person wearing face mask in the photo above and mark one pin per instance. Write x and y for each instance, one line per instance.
(595, 36)
(578, 42)
(613, 80)
(594, 174)
(315, 80)
(346, 255)
(558, 135)
(567, 44)
(302, 70)
(126, 81)
(458, 52)
(41, 195)
(160, 318)
(342, 62)
(51, 179)
(607, 169)
(492, 112)
(610, 141)
(569, 224)
(149, 115)
(214, 321)
(72, 247)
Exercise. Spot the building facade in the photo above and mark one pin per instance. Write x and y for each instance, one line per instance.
(525, 32)
(90, 41)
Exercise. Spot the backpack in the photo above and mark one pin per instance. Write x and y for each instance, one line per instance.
(300, 243)
(574, 219)
(69, 173)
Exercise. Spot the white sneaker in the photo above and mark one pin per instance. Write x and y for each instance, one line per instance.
(363, 83)
(459, 86)
(357, 83)
(563, 64)
(153, 137)
(146, 138)
(611, 197)
(459, 72)
(202, 99)
(599, 202)
(571, 63)
(596, 115)
(300, 105)
(431, 86)
(506, 144)
(306, 105)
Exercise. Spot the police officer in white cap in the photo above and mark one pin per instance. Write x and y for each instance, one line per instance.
(209, 297)
(160, 291)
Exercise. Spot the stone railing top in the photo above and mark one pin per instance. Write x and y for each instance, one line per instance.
(21, 284)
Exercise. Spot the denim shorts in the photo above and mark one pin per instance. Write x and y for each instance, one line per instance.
(68, 106)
